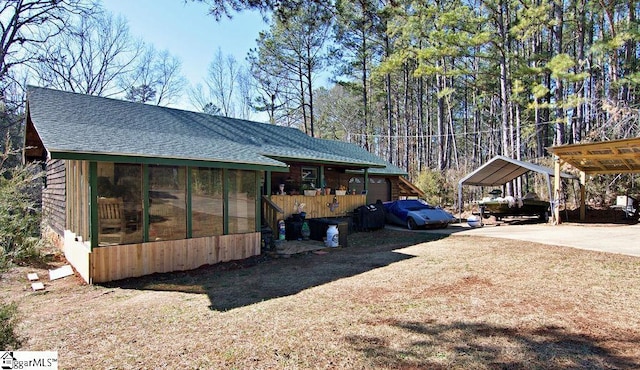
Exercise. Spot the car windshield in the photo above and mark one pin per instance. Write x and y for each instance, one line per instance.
(415, 205)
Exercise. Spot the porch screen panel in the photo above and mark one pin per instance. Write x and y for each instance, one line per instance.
(119, 203)
(167, 203)
(207, 202)
(242, 201)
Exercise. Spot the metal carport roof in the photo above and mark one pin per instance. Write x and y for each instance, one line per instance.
(500, 170)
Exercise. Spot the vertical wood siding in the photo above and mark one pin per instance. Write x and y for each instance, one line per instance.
(132, 260)
(77, 198)
(318, 206)
(54, 196)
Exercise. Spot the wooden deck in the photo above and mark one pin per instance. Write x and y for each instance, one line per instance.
(287, 248)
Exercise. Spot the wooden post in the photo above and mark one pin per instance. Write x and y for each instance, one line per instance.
(93, 204)
(556, 191)
(583, 195)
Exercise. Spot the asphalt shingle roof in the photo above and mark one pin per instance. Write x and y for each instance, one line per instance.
(76, 123)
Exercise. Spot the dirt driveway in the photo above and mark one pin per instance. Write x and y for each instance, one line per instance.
(612, 238)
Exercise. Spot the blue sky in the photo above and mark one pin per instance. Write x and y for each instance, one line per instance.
(188, 32)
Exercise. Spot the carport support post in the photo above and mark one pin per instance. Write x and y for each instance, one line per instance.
(583, 195)
(556, 191)
(366, 180)
(460, 202)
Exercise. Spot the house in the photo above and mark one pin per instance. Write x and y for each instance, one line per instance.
(133, 189)
(6, 360)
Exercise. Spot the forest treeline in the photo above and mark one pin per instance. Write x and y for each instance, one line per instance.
(450, 84)
(437, 86)
(443, 86)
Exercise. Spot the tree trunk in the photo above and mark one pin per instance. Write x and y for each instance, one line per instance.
(389, 111)
(440, 125)
(310, 87)
(559, 88)
(365, 92)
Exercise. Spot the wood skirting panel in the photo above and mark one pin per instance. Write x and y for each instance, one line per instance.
(317, 206)
(132, 260)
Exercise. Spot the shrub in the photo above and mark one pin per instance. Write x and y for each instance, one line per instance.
(8, 338)
(437, 190)
(20, 215)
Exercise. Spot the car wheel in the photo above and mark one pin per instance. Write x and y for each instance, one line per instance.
(411, 224)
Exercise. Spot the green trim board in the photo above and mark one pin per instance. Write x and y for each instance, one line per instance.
(164, 161)
(267, 183)
(366, 180)
(145, 202)
(355, 165)
(93, 204)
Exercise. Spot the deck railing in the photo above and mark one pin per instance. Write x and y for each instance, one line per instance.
(271, 212)
(319, 205)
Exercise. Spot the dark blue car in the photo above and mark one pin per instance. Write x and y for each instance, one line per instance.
(416, 213)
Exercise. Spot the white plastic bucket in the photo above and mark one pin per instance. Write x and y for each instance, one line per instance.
(333, 236)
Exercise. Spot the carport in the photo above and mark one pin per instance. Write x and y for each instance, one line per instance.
(605, 157)
(501, 170)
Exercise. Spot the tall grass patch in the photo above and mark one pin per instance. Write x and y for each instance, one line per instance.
(8, 320)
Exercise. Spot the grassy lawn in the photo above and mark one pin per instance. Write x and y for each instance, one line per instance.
(392, 299)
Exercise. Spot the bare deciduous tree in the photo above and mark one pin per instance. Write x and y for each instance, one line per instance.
(226, 89)
(27, 24)
(171, 82)
(157, 78)
(221, 80)
(89, 57)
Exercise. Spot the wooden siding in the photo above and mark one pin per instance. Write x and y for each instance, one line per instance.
(334, 177)
(317, 206)
(123, 261)
(396, 193)
(54, 196)
(77, 204)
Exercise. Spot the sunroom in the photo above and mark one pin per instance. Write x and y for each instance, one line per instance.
(133, 189)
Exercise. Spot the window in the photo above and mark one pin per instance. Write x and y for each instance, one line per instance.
(310, 176)
(167, 203)
(207, 202)
(242, 201)
(119, 203)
